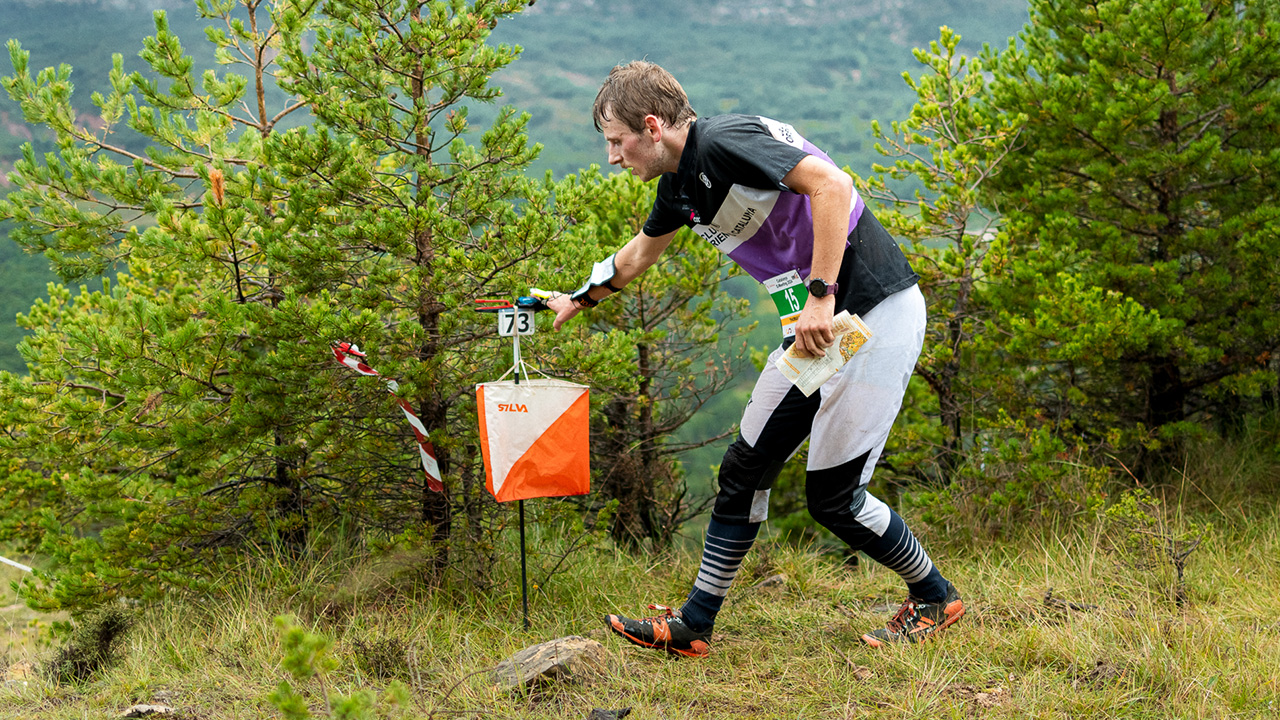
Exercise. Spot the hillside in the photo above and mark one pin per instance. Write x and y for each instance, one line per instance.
(1055, 628)
(828, 67)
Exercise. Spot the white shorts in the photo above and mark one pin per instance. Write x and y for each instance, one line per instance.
(858, 404)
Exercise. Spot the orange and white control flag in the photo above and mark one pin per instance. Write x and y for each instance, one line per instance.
(534, 438)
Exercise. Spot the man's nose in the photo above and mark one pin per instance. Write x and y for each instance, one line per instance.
(614, 157)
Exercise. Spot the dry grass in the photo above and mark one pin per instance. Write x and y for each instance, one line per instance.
(24, 633)
(1107, 644)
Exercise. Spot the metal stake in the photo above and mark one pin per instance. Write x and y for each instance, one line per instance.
(524, 576)
(514, 329)
(524, 581)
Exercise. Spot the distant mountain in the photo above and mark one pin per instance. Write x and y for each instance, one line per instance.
(829, 67)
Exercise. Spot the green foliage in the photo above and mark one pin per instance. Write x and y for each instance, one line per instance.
(94, 644)
(1139, 534)
(1096, 245)
(951, 144)
(192, 408)
(980, 467)
(852, 63)
(1018, 472)
(1141, 234)
(309, 659)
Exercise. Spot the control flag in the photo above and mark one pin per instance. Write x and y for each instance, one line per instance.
(534, 438)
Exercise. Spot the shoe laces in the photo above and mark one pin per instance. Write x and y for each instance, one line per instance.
(906, 614)
(667, 614)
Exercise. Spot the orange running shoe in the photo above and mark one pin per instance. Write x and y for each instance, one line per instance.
(663, 632)
(917, 620)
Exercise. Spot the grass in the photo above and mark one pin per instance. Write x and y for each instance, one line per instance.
(24, 633)
(1126, 651)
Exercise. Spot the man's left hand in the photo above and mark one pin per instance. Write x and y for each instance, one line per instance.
(815, 330)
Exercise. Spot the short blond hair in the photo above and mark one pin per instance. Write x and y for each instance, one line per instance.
(639, 88)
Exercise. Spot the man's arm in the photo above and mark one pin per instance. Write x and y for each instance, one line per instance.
(830, 192)
(631, 261)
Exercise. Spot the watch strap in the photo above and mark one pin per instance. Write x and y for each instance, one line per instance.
(827, 288)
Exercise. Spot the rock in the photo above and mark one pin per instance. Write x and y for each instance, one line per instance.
(140, 711)
(564, 658)
(773, 581)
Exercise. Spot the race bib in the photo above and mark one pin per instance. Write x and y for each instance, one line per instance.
(789, 294)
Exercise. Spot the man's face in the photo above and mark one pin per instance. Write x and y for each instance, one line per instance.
(631, 150)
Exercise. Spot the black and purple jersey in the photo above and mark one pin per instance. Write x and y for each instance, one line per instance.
(729, 188)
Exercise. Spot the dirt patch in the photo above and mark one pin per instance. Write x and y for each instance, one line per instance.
(1103, 673)
(983, 698)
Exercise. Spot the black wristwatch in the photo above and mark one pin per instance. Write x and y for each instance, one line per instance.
(819, 288)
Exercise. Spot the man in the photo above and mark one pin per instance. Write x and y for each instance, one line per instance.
(782, 210)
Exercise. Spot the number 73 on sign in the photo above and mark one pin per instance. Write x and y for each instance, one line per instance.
(515, 321)
(516, 318)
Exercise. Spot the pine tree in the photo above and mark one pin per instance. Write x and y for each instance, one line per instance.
(420, 222)
(952, 145)
(158, 422)
(1142, 222)
(191, 412)
(193, 409)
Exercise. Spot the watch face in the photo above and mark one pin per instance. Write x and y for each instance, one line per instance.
(818, 287)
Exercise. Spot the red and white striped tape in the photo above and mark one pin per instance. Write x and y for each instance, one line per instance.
(351, 356)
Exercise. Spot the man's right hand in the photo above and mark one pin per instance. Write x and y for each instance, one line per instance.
(564, 308)
(815, 330)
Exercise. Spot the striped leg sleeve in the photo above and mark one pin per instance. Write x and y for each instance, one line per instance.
(722, 555)
(899, 550)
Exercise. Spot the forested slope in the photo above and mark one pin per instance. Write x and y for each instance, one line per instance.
(828, 67)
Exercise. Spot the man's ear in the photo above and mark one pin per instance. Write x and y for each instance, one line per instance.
(654, 126)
